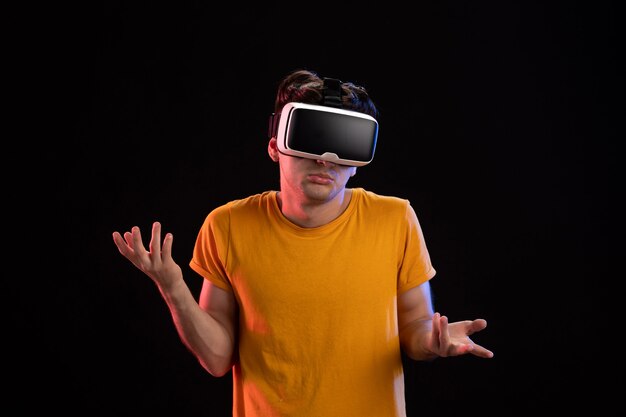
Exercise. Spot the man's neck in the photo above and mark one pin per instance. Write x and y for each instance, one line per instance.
(311, 213)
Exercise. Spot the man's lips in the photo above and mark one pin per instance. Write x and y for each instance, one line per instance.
(320, 178)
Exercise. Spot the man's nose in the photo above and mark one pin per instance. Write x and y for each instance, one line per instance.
(325, 163)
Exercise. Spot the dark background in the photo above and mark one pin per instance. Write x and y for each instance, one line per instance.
(499, 122)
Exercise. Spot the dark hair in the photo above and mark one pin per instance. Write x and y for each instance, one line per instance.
(305, 86)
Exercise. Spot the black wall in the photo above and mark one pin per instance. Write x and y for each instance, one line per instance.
(499, 121)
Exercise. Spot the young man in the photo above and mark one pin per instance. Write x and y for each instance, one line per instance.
(310, 292)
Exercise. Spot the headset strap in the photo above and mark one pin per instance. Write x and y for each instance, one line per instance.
(273, 125)
(332, 92)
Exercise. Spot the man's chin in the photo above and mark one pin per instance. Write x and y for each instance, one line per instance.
(321, 193)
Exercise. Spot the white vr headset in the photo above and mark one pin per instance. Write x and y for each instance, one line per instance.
(344, 137)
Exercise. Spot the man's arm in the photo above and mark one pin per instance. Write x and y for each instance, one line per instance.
(206, 327)
(221, 306)
(425, 335)
(415, 313)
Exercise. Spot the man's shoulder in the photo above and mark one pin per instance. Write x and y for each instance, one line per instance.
(245, 204)
(385, 208)
(371, 197)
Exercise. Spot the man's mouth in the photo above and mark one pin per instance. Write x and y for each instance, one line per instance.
(320, 178)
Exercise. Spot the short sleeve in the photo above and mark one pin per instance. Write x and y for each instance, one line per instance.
(416, 267)
(210, 252)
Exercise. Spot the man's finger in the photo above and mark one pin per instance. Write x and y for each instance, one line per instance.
(167, 246)
(137, 243)
(155, 242)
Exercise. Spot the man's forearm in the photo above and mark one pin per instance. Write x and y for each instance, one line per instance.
(414, 340)
(205, 336)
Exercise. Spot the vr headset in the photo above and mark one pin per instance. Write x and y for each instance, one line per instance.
(326, 132)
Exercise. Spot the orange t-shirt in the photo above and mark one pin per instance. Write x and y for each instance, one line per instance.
(318, 329)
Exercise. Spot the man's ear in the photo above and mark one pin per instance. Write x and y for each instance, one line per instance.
(272, 149)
